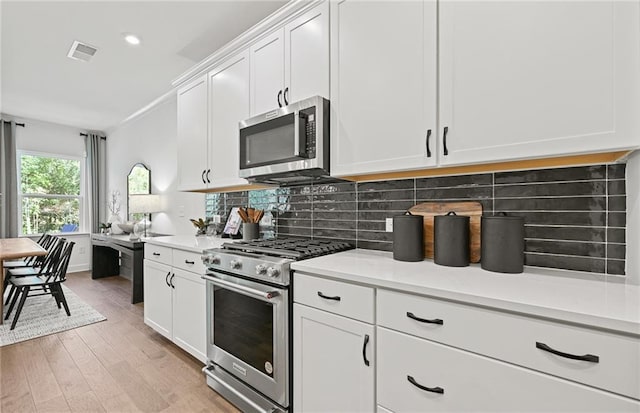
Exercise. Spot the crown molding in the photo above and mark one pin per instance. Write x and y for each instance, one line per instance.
(143, 110)
(266, 25)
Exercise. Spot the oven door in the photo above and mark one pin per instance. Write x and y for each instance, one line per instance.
(248, 333)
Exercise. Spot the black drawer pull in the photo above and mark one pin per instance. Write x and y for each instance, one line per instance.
(157, 254)
(587, 357)
(364, 349)
(203, 172)
(424, 320)
(166, 279)
(189, 262)
(413, 381)
(326, 297)
(427, 144)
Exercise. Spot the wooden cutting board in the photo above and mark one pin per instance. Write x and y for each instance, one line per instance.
(471, 209)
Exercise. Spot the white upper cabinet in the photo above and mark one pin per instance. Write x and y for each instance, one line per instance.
(535, 79)
(228, 105)
(306, 51)
(267, 73)
(383, 86)
(291, 63)
(192, 135)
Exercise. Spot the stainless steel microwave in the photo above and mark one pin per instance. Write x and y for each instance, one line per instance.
(289, 145)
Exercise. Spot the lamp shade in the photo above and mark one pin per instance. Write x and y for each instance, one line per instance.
(144, 204)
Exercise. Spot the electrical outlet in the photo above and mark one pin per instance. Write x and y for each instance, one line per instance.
(216, 219)
(267, 219)
(389, 225)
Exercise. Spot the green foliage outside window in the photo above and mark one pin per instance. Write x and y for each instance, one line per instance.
(50, 190)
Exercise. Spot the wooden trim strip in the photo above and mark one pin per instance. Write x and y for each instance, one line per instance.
(236, 188)
(562, 161)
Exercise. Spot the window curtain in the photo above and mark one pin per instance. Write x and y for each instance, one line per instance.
(96, 179)
(8, 181)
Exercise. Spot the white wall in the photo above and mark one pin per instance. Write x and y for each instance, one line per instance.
(52, 138)
(633, 218)
(152, 140)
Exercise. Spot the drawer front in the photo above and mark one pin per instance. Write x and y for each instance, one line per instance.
(455, 380)
(157, 253)
(189, 261)
(345, 299)
(517, 339)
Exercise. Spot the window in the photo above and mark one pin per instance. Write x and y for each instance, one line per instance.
(51, 194)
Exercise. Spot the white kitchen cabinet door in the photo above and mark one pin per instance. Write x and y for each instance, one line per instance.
(329, 369)
(267, 73)
(192, 135)
(416, 375)
(189, 313)
(524, 79)
(228, 105)
(157, 298)
(383, 86)
(306, 51)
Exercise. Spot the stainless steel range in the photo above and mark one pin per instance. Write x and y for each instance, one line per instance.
(249, 319)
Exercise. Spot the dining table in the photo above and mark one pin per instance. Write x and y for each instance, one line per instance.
(12, 249)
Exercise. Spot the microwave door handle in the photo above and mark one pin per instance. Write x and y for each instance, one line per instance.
(300, 141)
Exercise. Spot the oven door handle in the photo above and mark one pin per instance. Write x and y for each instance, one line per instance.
(264, 295)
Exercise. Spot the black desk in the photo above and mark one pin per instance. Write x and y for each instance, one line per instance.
(117, 255)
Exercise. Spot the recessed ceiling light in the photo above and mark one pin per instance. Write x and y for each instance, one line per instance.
(131, 39)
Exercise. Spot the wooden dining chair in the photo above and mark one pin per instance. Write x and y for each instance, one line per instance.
(43, 266)
(48, 282)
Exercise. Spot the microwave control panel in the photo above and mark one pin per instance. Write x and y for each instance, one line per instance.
(309, 116)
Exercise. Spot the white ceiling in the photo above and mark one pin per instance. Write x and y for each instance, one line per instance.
(40, 82)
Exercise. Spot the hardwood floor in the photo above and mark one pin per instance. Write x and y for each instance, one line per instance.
(118, 365)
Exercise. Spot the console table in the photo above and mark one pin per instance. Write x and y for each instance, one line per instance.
(118, 255)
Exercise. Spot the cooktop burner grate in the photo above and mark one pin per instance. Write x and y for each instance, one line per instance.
(294, 248)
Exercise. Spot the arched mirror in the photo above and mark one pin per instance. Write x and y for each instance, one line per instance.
(138, 183)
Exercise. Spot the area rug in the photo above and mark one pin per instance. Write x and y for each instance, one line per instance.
(41, 316)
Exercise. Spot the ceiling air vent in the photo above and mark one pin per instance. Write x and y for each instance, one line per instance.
(81, 51)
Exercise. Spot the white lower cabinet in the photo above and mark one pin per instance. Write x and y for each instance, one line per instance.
(333, 362)
(157, 297)
(419, 375)
(434, 355)
(333, 346)
(175, 301)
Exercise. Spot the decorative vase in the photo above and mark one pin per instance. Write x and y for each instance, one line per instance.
(115, 219)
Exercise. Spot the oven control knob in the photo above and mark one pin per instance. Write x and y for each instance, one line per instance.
(211, 259)
(273, 272)
(261, 269)
(235, 264)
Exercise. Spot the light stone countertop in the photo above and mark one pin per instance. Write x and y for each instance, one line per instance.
(556, 294)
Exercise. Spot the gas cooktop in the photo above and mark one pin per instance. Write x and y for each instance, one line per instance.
(292, 248)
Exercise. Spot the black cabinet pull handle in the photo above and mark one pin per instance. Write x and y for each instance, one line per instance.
(279, 94)
(364, 349)
(444, 140)
(203, 181)
(286, 101)
(189, 262)
(326, 297)
(587, 357)
(208, 172)
(424, 320)
(428, 148)
(157, 254)
(166, 279)
(171, 281)
(413, 381)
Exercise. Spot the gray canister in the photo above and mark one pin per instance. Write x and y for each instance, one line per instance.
(451, 240)
(408, 238)
(502, 247)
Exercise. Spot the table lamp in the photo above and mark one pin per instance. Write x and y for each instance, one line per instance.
(144, 204)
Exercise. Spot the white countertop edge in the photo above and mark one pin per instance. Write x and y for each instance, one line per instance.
(600, 321)
(189, 243)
